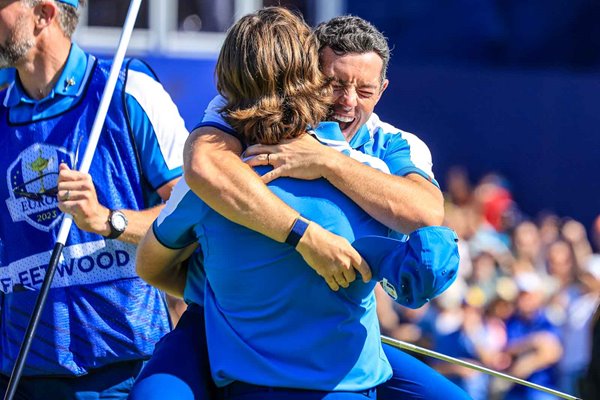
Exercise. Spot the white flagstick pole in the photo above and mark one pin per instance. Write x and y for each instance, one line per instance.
(67, 221)
(414, 348)
(107, 94)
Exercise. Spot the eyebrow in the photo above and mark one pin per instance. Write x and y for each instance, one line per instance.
(346, 83)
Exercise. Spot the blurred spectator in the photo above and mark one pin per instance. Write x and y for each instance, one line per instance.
(593, 262)
(590, 386)
(527, 245)
(524, 300)
(490, 201)
(576, 331)
(496, 200)
(410, 325)
(561, 263)
(596, 233)
(549, 225)
(574, 233)
(463, 331)
(459, 191)
(485, 275)
(533, 342)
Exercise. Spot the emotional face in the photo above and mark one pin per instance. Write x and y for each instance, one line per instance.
(357, 87)
(16, 35)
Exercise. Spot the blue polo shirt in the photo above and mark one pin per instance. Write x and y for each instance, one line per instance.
(272, 320)
(63, 95)
(7, 75)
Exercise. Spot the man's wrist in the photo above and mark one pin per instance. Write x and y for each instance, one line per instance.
(298, 230)
(117, 222)
(331, 163)
(102, 225)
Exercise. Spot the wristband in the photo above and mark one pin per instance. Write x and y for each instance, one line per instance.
(297, 232)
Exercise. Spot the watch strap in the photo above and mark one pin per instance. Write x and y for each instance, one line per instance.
(298, 229)
(114, 232)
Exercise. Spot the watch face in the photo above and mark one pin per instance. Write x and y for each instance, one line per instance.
(119, 221)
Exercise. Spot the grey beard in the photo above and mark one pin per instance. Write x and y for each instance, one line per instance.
(13, 51)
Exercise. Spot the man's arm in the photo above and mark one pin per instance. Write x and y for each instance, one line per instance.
(77, 196)
(161, 266)
(215, 172)
(402, 203)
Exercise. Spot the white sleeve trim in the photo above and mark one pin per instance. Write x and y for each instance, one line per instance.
(163, 114)
(180, 189)
(420, 155)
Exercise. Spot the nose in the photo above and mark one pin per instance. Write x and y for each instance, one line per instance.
(349, 98)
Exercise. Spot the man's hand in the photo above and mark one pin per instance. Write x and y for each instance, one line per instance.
(402, 203)
(77, 196)
(302, 158)
(332, 257)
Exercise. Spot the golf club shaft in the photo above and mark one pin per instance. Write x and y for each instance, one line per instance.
(416, 349)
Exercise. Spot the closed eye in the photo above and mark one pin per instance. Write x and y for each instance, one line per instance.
(366, 93)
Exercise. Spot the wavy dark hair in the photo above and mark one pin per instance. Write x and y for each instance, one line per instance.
(268, 70)
(350, 34)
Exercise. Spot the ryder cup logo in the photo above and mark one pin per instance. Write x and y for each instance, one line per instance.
(389, 288)
(32, 180)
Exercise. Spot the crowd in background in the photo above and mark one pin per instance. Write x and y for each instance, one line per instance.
(525, 298)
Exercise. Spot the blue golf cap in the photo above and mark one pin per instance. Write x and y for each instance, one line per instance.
(415, 271)
(74, 3)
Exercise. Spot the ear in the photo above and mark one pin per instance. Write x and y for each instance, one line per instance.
(384, 86)
(45, 12)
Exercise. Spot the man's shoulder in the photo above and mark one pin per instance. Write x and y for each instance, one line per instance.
(381, 130)
(135, 65)
(183, 203)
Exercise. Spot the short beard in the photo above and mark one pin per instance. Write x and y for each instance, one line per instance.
(15, 48)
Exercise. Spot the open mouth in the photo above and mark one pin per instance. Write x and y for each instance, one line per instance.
(343, 121)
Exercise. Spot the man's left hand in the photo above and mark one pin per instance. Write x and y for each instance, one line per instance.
(302, 158)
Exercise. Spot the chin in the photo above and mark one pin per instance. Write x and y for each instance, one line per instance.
(351, 130)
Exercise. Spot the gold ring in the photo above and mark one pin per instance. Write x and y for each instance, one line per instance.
(67, 195)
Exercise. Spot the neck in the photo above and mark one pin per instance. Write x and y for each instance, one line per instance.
(40, 71)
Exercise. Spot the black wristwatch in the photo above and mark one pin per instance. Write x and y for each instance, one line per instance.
(117, 222)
